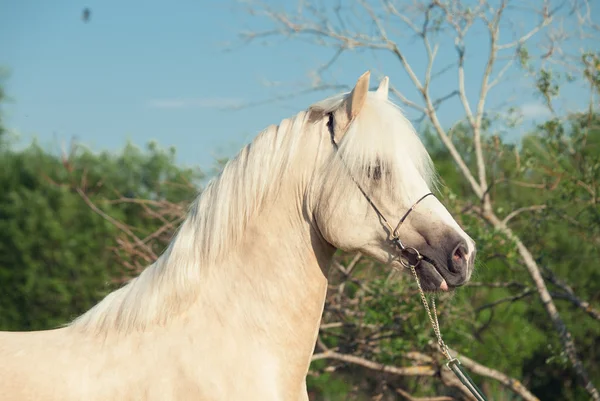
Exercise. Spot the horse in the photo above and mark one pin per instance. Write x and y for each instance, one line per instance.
(231, 309)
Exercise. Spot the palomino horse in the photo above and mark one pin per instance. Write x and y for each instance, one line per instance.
(231, 310)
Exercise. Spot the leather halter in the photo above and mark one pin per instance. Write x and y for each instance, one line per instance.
(409, 256)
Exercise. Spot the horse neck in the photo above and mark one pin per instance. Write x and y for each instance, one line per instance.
(274, 278)
(271, 289)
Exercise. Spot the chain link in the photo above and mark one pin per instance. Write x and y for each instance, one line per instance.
(434, 321)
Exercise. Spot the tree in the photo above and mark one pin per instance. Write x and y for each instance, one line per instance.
(58, 256)
(2, 101)
(373, 26)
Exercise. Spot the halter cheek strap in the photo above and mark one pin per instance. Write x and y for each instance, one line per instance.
(410, 257)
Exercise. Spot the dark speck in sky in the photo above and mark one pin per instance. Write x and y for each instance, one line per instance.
(85, 16)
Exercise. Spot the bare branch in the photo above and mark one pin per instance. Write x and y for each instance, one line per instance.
(527, 36)
(569, 295)
(425, 370)
(437, 102)
(476, 120)
(117, 224)
(409, 397)
(431, 113)
(583, 305)
(514, 298)
(498, 78)
(404, 100)
(518, 211)
(353, 263)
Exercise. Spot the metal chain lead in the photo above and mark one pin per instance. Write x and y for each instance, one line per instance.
(434, 321)
(452, 363)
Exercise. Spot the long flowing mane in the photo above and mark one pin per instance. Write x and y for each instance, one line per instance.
(217, 218)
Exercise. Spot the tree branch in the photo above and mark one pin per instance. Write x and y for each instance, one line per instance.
(581, 304)
(518, 211)
(514, 298)
(410, 397)
(117, 224)
(423, 370)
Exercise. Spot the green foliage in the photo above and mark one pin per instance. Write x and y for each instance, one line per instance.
(327, 385)
(2, 101)
(53, 252)
(57, 255)
(523, 56)
(547, 85)
(558, 167)
(591, 72)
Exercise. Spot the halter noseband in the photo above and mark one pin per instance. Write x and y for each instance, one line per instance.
(410, 257)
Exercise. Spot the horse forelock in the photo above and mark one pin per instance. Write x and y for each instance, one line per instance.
(381, 138)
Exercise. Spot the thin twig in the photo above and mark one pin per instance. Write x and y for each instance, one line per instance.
(117, 224)
(518, 211)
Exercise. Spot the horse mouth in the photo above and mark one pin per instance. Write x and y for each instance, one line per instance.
(431, 277)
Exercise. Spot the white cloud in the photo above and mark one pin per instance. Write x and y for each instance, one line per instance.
(532, 111)
(195, 103)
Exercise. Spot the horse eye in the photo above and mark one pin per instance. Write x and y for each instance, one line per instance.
(374, 172)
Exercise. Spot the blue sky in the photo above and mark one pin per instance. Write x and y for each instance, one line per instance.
(158, 70)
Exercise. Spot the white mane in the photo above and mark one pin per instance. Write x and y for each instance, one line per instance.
(217, 218)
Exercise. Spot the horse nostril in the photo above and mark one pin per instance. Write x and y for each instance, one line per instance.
(459, 254)
(458, 259)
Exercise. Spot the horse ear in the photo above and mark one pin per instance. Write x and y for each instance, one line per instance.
(384, 88)
(359, 95)
(351, 106)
